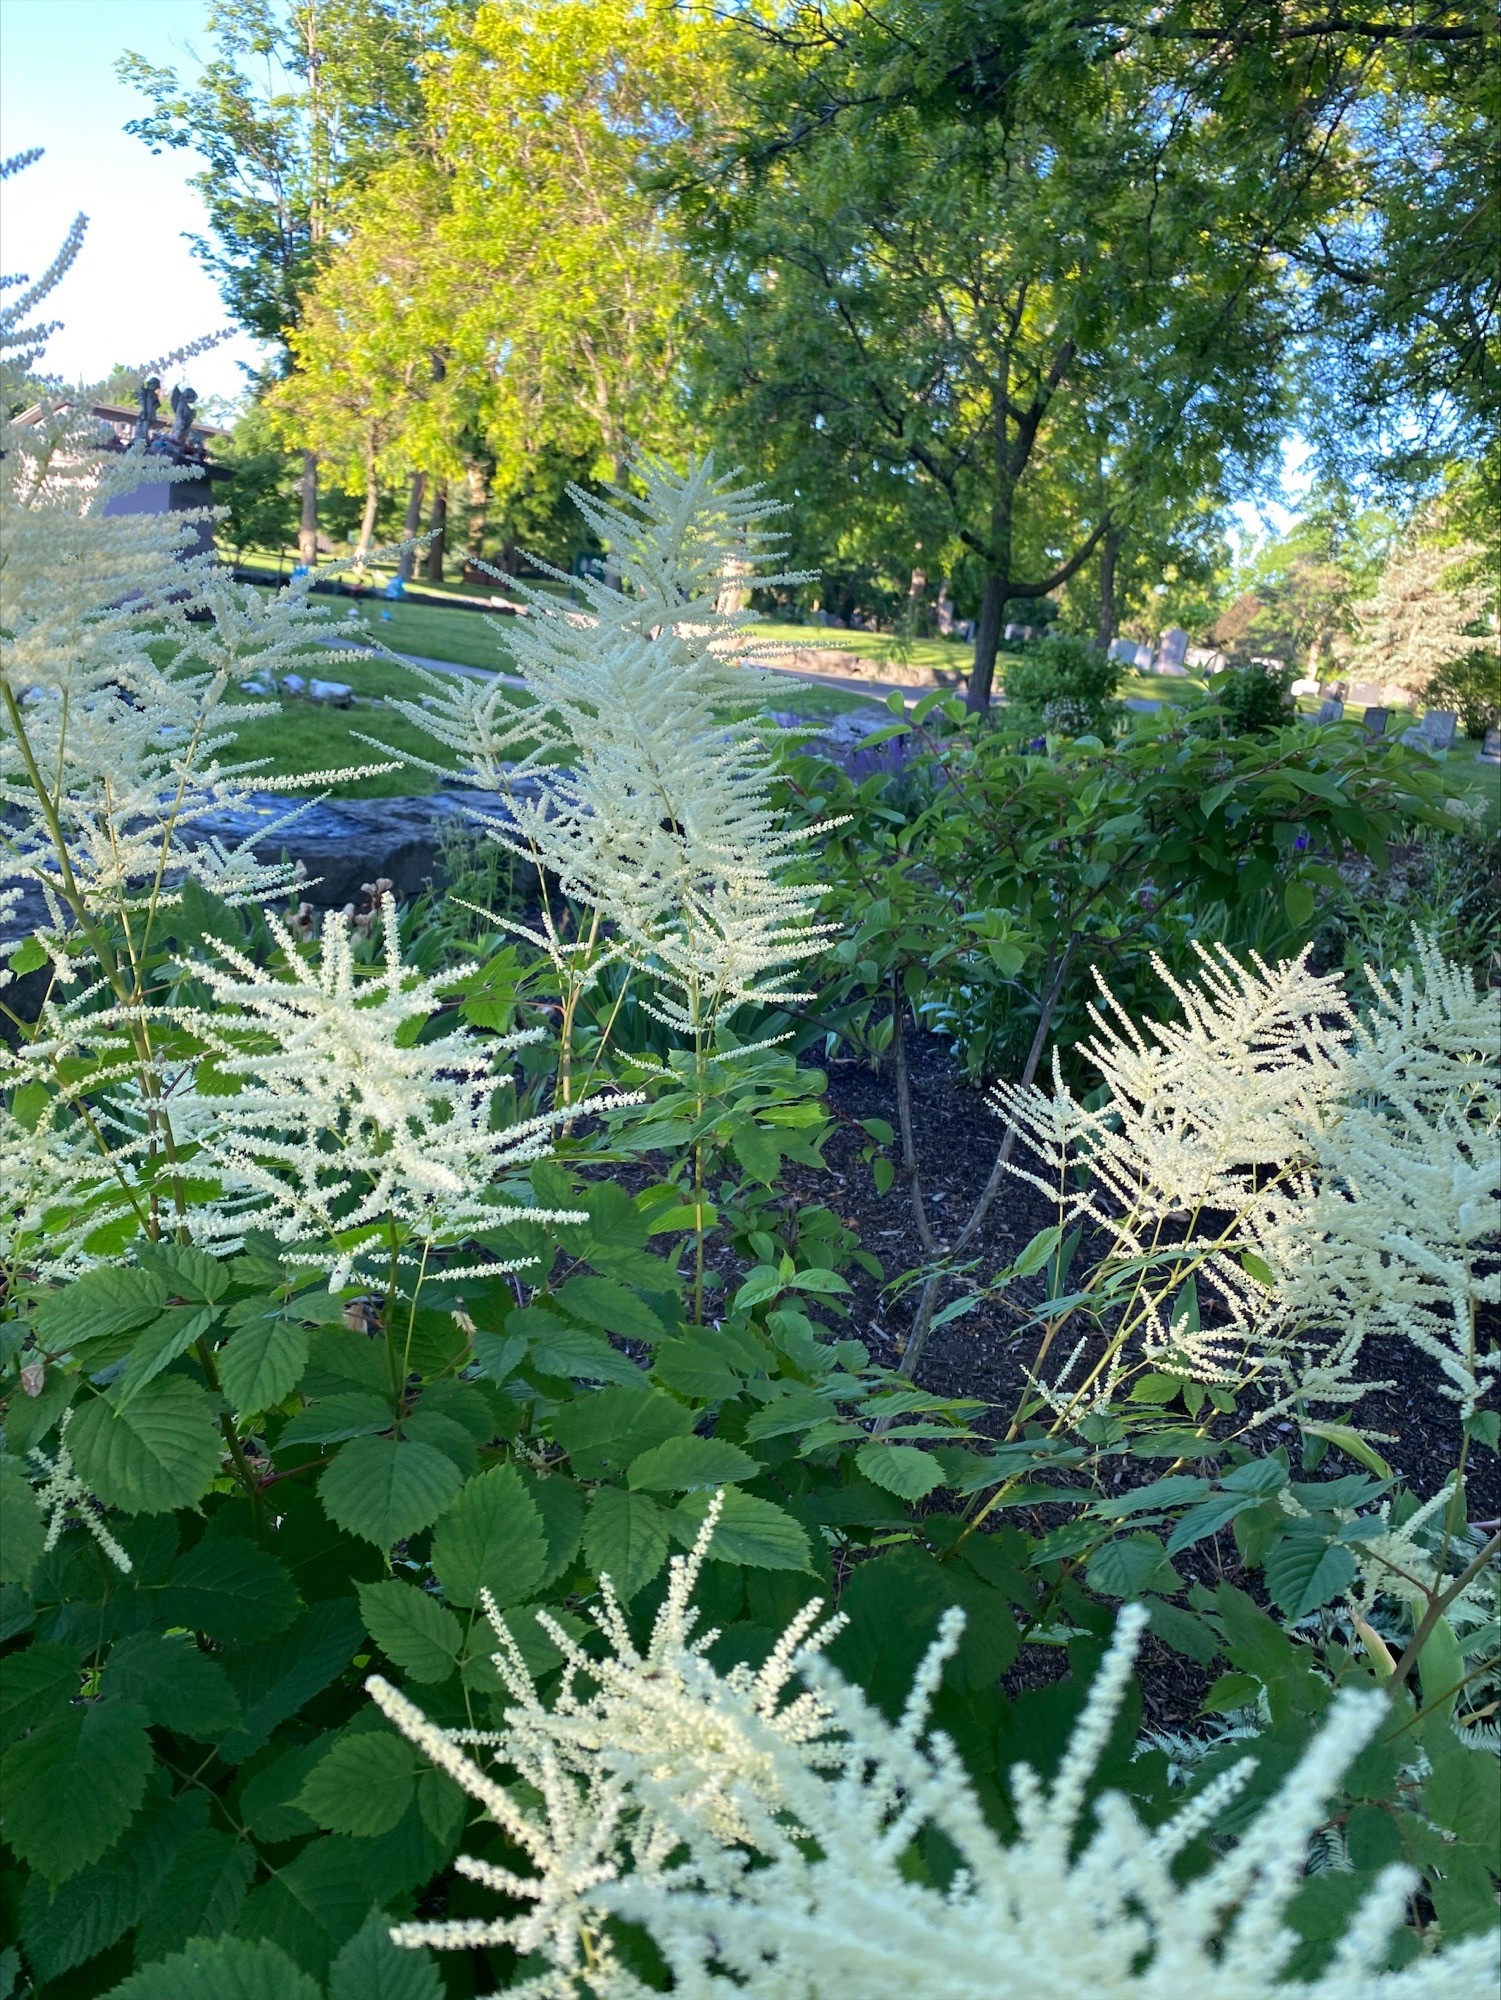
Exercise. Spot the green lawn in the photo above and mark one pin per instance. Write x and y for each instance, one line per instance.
(299, 737)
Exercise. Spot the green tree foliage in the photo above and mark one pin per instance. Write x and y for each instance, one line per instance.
(1298, 592)
(295, 108)
(1027, 266)
(1406, 285)
(293, 112)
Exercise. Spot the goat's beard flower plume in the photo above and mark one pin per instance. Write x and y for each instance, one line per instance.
(1355, 1162)
(699, 1736)
(1393, 1226)
(648, 789)
(350, 1138)
(763, 1844)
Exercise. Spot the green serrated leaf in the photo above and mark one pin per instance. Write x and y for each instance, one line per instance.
(158, 1454)
(83, 1916)
(899, 1468)
(1230, 1692)
(275, 1680)
(1202, 1521)
(67, 1792)
(625, 1538)
(35, 1686)
(227, 1968)
(200, 1894)
(100, 1304)
(412, 1629)
(23, 1532)
(383, 1490)
(1305, 1571)
(603, 1432)
(1353, 1445)
(1127, 1567)
(177, 1686)
(262, 1363)
(612, 1306)
(700, 1364)
(683, 1464)
(189, 1273)
(754, 1532)
(348, 1413)
(229, 1589)
(362, 1784)
(157, 1346)
(491, 1536)
(370, 1967)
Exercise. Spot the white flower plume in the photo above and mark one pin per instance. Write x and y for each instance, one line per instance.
(349, 1136)
(62, 1497)
(783, 1877)
(646, 797)
(118, 655)
(1352, 1164)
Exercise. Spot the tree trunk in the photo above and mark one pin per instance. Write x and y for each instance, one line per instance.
(987, 643)
(478, 480)
(437, 521)
(367, 519)
(307, 532)
(406, 562)
(1110, 549)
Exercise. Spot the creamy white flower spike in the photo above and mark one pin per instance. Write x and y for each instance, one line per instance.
(62, 1497)
(763, 1845)
(119, 655)
(1330, 1176)
(647, 793)
(351, 1139)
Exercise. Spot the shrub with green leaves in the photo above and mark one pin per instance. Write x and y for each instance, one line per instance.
(1471, 686)
(1254, 698)
(1063, 687)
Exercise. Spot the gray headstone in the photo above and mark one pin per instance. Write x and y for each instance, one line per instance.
(1440, 726)
(1174, 648)
(1490, 746)
(1366, 694)
(337, 694)
(1330, 711)
(1374, 721)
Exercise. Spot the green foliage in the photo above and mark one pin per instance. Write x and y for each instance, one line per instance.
(1254, 699)
(1064, 687)
(985, 902)
(1471, 686)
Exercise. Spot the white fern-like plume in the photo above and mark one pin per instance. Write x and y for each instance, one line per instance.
(1331, 1176)
(1395, 1227)
(648, 792)
(661, 1708)
(803, 1892)
(321, 1112)
(60, 1190)
(61, 1497)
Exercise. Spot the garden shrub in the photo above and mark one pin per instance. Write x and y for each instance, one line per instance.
(1254, 698)
(385, 1301)
(1063, 686)
(1471, 686)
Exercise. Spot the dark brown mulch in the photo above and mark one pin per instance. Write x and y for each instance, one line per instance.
(982, 1354)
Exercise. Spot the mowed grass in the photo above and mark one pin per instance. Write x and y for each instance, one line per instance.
(300, 738)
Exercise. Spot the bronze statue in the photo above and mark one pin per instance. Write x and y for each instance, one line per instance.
(150, 401)
(184, 411)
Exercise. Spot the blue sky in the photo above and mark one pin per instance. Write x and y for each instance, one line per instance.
(136, 291)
